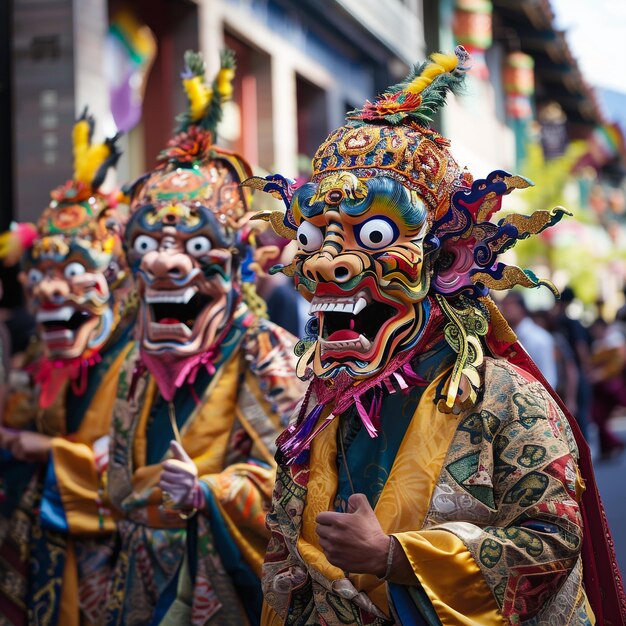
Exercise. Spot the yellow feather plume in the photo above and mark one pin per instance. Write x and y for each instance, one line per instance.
(225, 82)
(447, 61)
(88, 157)
(199, 95)
(89, 161)
(440, 64)
(81, 139)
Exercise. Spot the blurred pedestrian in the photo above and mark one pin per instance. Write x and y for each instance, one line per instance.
(579, 340)
(284, 306)
(608, 377)
(536, 340)
(566, 370)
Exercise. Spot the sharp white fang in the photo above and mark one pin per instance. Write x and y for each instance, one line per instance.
(361, 303)
(56, 315)
(171, 296)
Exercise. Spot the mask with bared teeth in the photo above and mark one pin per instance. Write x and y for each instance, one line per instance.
(184, 257)
(75, 272)
(361, 265)
(394, 241)
(362, 226)
(185, 239)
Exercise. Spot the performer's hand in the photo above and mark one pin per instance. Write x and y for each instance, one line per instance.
(179, 480)
(354, 541)
(30, 446)
(7, 436)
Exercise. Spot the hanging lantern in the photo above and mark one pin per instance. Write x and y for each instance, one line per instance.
(519, 85)
(472, 28)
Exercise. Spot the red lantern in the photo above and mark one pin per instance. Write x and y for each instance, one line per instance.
(472, 28)
(519, 84)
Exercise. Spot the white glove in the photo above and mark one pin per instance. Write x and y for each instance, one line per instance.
(179, 480)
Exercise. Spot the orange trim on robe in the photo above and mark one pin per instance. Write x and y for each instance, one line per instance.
(69, 610)
(241, 493)
(73, 458)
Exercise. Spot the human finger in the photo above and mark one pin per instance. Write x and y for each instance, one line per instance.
(358, 502)
(331, 518)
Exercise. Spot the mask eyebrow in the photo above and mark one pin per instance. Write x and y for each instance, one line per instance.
(385, 194)
(208, 225)
(301, 201)
(93, 259)
(390, 198)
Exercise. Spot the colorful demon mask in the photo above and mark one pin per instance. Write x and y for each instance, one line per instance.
(187, 235)
(362, 226)
(361, 265)
(74, 271)
(395, 249)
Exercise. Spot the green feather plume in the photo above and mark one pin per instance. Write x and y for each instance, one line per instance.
(210, 98)
(420, 95)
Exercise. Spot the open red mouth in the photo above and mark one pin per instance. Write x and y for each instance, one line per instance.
(175, 310)
(60, 324)
(351, 322)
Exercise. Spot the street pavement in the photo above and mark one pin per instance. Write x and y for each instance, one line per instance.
(611, 479)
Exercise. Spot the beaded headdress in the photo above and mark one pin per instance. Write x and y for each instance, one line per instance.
(78, 209)
(192, 168)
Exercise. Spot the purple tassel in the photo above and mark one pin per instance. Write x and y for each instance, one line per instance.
(304, 444)
(290, 441)
(298, 437)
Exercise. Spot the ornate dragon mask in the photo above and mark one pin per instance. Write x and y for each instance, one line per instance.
(390, 227)
(184, 255)
(75, 273)
(188, 238)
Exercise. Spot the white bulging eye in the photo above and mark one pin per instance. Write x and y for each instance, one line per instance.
(34, 276)
(309, 237)
(376, 233)
(197, 246)
(72, 270)
(144, 244)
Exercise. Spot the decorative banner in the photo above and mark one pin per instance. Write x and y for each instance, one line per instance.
(519, 85)
(472, 28)
(606, 142)
(130, 49)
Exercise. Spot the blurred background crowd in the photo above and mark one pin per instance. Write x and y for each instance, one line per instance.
(530, 107)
